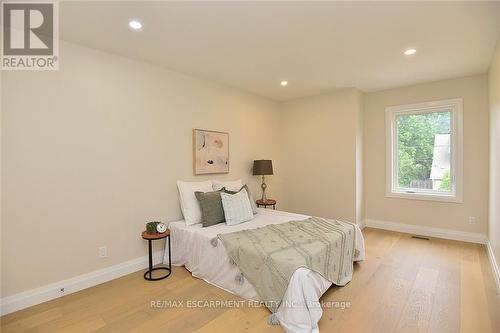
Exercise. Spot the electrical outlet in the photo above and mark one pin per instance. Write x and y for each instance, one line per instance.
(103, 252)
(472, 220)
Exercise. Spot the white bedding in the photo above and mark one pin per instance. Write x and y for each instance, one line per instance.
(191, 247)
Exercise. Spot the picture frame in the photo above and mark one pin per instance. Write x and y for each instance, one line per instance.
(210, 152)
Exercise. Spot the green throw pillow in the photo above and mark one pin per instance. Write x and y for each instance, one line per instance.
(212, 211)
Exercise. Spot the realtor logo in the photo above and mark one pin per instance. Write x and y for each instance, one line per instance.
(30, 36)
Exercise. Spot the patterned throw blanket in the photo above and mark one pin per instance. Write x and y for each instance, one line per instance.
(268, 256)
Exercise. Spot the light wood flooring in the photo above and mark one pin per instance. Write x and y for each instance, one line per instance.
(405, 285)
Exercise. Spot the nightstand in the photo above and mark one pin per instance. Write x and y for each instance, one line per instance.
(150, 238)
(265, 204)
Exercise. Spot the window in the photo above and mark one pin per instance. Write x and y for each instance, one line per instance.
(424, 151)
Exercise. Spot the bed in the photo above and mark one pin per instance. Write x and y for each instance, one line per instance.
(193, 247)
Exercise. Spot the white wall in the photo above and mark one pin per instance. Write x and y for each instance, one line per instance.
(320, 149)
(494, 217)
(360, 198)
(1, 186)
(454, 216)
(91, 152)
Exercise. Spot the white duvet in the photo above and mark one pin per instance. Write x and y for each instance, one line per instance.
(299, 311)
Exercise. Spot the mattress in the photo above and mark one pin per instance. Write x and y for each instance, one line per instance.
(193, 247)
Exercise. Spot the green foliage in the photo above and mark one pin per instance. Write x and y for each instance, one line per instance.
(416, 134)
(446, 183)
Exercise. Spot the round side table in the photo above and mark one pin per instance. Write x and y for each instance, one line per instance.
(150, 238)
(268, 202)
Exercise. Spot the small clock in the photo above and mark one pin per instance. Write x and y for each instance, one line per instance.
(161, 227)
(156, 227)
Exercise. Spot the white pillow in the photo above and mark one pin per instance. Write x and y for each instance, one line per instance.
(230, 185)
(237, 208)
(189, 204)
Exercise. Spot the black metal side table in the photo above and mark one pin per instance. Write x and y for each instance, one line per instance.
(150, 238)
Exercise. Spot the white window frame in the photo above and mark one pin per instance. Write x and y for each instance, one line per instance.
(456, 169)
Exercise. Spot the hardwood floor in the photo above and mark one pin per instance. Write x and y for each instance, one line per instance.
(405, 285)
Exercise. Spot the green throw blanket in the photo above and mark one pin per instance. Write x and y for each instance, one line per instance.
(268, 256)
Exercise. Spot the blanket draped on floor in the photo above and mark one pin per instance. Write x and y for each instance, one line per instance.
(268, 256)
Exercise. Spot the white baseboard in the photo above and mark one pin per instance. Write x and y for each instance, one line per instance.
(362, 224)
(46, 293)
(464, 236)
(51, 291)
(441, 233)
(494, 266)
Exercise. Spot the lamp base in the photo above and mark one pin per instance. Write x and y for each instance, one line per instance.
(263, 186)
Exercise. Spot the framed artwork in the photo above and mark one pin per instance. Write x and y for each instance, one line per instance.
(211, 152)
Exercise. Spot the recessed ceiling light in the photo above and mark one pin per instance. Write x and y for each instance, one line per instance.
(284, 83)
(136, 25)
(410, 51)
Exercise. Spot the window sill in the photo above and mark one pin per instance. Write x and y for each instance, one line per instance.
(425, 197)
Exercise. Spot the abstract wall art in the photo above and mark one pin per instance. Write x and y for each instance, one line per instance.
(211, 152)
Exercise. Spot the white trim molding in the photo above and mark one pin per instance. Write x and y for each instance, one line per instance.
(362, 224)
(393, 190)
(463, 236)
(440, 233)
(55, 290)
(494, 265)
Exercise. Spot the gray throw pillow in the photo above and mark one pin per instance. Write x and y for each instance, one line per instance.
(212, 211)
(250, 197)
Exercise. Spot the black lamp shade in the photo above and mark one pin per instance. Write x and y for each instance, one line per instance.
(262, 167)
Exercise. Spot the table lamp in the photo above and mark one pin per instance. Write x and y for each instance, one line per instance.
(263, 168)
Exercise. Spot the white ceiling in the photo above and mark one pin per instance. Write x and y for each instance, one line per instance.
(316, 46)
